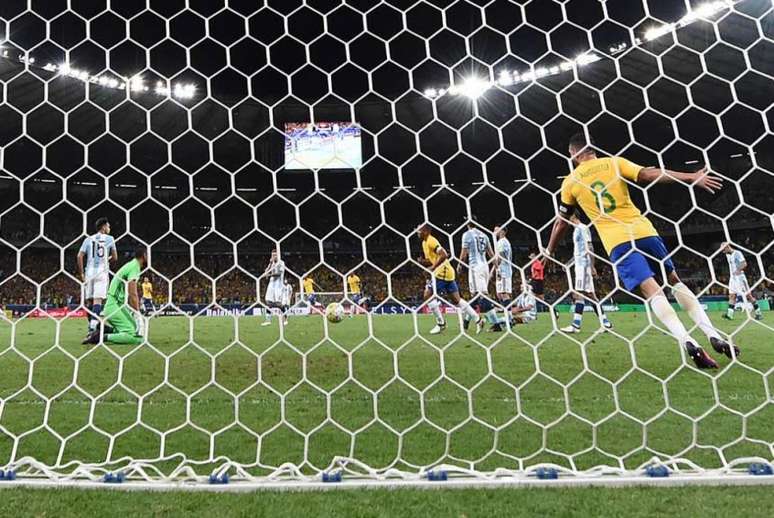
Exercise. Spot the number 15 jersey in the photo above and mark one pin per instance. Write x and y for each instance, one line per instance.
(598, 188)
(98, 249)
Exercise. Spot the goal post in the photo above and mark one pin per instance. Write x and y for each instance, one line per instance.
(236, 150)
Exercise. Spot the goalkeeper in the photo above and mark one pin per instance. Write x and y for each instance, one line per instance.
(124, 323)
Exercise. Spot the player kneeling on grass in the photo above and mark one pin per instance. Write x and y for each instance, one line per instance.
(443, 280)
(123, 322)
(584, 278)
(598, 187)
(524, 309)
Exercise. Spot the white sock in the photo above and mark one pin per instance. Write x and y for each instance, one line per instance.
(666, 314)
(268, 314)
(435, 307)
(468, 311)
(691, 304)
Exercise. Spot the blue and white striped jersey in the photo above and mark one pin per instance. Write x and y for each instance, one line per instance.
(505, 253)
(98, 249)
(735, 260)
(476, 243)
(580, 238)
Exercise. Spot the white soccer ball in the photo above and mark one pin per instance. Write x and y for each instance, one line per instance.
(334, 312)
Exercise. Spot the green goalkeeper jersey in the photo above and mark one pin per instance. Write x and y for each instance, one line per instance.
(126, 274)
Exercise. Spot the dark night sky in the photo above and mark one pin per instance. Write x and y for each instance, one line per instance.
(259, 64)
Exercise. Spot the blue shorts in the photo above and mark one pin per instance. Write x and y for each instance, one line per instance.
(311, 298)
(443, 287)
(356, 298)
(641, 262)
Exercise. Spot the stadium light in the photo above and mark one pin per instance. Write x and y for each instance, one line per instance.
(135, 84)
(656, 32)
(476, 87)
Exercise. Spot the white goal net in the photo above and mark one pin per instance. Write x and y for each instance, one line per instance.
(244, 156)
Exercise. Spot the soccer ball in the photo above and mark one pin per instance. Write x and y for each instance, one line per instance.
(334, 312)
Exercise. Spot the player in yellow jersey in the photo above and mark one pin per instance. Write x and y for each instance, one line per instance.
(147, 296)
(442, 282)
(598, 187)
(355, 293)
(309, 294)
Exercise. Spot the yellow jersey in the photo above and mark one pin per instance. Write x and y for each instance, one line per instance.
(354, 284)
(430, 247)
(598, 188)
(147, 290)
(308, 285)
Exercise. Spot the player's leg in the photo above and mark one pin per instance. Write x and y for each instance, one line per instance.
(665, 313)
(691, 304)
(505, 298)
(635, 271)
(353, 306)
(577, 315)
(582, 276)
(121, 328)
(756, 308)
(486, 306)
(99, 293)
(91, 316)
(538, 289)
(435, 307)
(268, 313)
(591, 298)
(96, 308)
(504, 288)
(731, 305)
(273, 300)
(91, 322)
(125, 328)
(450, 287)
(746, 295)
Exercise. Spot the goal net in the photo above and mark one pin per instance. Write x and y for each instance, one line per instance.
(238, 150)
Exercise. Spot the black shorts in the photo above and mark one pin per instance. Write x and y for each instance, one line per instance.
(537, 286)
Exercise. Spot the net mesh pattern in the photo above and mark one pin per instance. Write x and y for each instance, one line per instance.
(168, 118)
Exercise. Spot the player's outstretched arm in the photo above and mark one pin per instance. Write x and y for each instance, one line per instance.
(558, 231)
(462, 260)
(701, 178)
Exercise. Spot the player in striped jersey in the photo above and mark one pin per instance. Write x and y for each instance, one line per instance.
(97, 251)
(287, 299)
(583, 256)
(503, 270)
(275, 271)
(525, 306)
(737, 282)
(476, 251)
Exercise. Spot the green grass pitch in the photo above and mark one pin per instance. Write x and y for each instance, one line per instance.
(386, 396)
(381, 392)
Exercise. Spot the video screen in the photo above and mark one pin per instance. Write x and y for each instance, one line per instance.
(323, 145)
